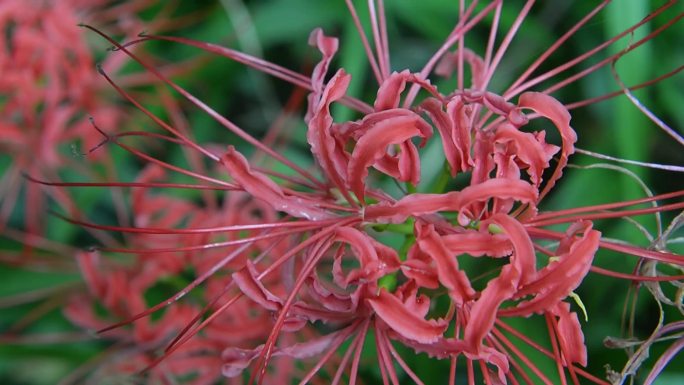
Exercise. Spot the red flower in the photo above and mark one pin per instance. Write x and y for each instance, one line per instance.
(333, 281)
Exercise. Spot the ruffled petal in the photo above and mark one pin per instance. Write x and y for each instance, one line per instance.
(570, 335)
(455, 280)
(328, 47)
(445, 126)
(390, 91)
(324, 147)
(261, 187)
(450, 61)
(375, 259)
(557, 280)
(528, 149)
(372, 146)
(504, 287)
(247, 282)
(405, 322)
(421, 204)
(499, 188)
(553, 110)
(523, 249)
(422, 272)
(478, 243)
(483, 313)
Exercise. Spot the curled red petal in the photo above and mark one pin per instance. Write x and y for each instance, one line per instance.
(450, 62)
(483, 313)
(421, 272)
(261, 187)
(523, 249)
(455, 280)
(375, 259)
(328, 47)
(415, 303)
(373, 145)
(530, 149)
(553, 110)
(478, 243)
(360, 242)
(498, 188)
(421, 204)
(405, 322)
(409, 163)
(504, 287)
(461, 115)
(483, 162)
(390, 91)
(331, 299)
(324, 148)
(445, 126)
(557, 280)
(246, 280)
(570, 335)
(411, 205)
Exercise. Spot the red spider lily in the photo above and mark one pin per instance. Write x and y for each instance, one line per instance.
(325, 266)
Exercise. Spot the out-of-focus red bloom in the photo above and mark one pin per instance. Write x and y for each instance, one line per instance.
(48, 89)
(118, 290)
(328, 279)
(47, 85)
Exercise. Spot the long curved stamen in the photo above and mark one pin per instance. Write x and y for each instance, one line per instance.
(611, 59)
(606, 206)
(637, 278)
(525, 360)
(332, 350)
(461, 28)
(208, 246)
(319, 250)
(668, 130)
(661, 256)
(554, 47)
(184, 139)
(277, 71)
(506, 42)
(364, 40)
(531, 83)
(212, 303)
(609, 214)
(216, 116)
(314, 238)
(590, 101)
(544, 351)
(210, 230)
(380, 38)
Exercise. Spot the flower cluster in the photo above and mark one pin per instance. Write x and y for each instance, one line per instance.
(281, 277)
(493, 217)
